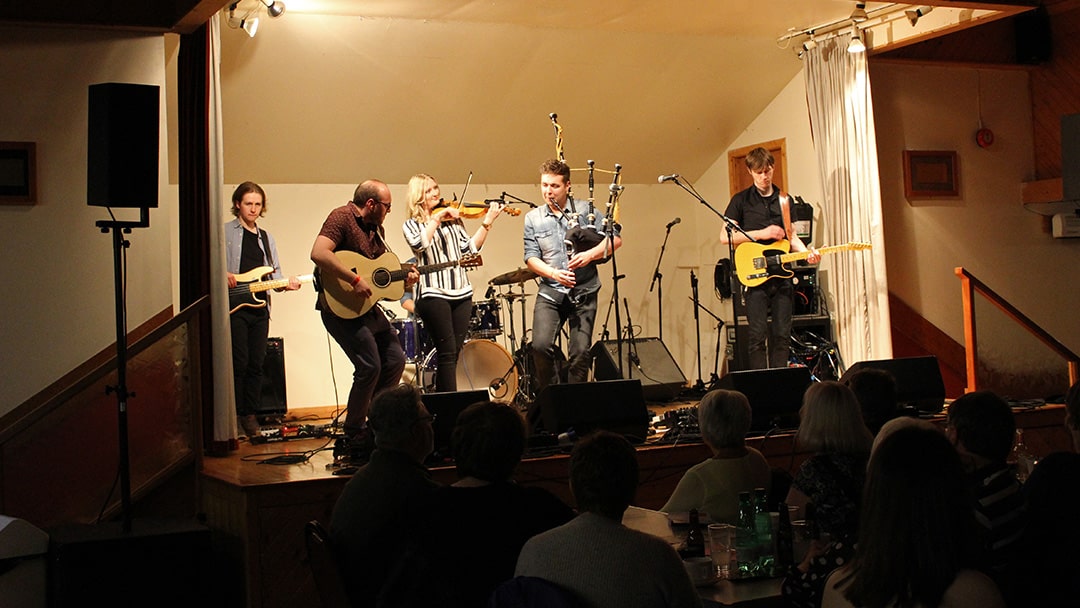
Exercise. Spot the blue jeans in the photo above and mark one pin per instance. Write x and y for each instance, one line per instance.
(775, 294)
(377, 359)
(548, 319)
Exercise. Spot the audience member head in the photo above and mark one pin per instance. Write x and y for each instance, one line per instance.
(724, 419)
(401, 422)
(603, 474)
(488, 441)
(830, 420)
(916, 529)
(875, 389)
(1072, 414)
(982, 427)
(902, 422)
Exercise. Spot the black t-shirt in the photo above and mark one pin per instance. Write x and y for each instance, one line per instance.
(754, 212)
(251, 255)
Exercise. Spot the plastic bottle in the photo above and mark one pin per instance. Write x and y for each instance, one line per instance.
(785, 539)
(763, 526)
(746, 537)
(695, 537)
(1023, 458)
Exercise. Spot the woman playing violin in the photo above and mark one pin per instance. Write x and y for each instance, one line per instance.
(436, 234)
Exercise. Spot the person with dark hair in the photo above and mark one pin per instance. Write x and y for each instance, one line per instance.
(765, 214)
(981, 427)
(248, 248)
(595, 556)
(1043, 569)
(875, 390)
(569, 280)
(370, 515)
(916, 536)
(830, 426)
(713, 486)
(467, 535)
(368, 340)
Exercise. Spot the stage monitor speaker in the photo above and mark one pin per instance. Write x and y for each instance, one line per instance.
(158, 562)
(274, 401)
(446, 407)
(918, 381)
(661, 378)
(775, 394)
(613, 405)
(122, 145)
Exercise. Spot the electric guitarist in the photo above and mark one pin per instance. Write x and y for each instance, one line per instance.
(248, 247)
(765, 214)
(368, 340)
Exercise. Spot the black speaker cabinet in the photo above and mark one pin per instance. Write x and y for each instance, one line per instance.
(806, 329)
(274, 401)
(661, 379)
(446, 407)
(775, 395)
(918, 381)
(157, 563)
(122, 145)
(613, 405)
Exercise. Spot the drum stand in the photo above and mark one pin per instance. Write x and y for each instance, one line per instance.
(518, 354)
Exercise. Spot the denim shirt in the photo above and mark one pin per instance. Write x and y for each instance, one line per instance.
(234, 240)
(545, 233)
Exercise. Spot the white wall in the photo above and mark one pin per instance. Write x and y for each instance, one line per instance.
(58, 307)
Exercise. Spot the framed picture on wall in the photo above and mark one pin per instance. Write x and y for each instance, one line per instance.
(931, 174)
(18, 173)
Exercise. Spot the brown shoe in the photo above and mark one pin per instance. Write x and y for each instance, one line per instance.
(249, 424)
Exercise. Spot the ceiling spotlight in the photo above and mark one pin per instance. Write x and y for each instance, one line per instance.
(809, 44)
(913, 15)
(274, 8)
(859, 14)
(250, 25)
(856, 45)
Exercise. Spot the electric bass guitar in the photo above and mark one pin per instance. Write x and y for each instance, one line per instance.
(386, 276)
(248, 285)
(756, 263)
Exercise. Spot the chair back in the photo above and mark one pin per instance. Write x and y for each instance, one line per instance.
(324, 567)
(532, 592)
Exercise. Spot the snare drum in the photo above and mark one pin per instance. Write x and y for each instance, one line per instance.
(414, 340)
(485, 321)
(482, 364)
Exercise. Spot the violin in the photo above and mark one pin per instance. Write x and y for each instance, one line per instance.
(472, 210)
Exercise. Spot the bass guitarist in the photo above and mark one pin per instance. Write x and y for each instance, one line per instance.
(368, 340)
(248, 247)
(765, 215)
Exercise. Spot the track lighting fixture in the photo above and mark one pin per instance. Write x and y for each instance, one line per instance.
(274, 8)
(914, 14)
(247, 17)
(859, 14)
(856, 45)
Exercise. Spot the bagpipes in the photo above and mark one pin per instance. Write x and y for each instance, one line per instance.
(582, 238)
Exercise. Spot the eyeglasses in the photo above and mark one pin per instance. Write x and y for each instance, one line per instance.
(386, 205)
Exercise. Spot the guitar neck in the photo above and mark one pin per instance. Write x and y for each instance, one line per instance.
(430, 267)
(802, 255)
(272, 284)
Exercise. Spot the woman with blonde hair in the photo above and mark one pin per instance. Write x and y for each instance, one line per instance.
(443, 300)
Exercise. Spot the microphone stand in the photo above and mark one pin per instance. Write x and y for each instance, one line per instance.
(506, 195)
(609, 227)
(658, 278)
(699, 385)
(715, 378)
(631, 352)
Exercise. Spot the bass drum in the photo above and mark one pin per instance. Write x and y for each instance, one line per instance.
(482, 364)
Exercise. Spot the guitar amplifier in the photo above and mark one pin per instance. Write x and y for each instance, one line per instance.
(273, 401)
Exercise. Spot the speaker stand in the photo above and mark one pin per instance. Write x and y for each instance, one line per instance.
(120, 244)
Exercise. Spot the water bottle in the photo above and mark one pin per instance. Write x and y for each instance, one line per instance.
(763, 527)
(1022, 458)
(695, 537)
(746, 537)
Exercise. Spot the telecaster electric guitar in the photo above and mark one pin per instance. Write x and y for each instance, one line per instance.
(248, 284)
(756, 263)
(386, 276)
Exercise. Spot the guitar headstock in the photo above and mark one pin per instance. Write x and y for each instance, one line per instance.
(471, 260)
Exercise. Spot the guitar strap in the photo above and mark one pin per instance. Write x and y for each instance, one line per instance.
(785, 210)
(266, 247)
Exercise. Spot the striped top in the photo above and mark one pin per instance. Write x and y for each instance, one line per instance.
(1000, 511)
(449, 244)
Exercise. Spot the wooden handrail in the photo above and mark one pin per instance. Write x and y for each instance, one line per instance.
(970, 286)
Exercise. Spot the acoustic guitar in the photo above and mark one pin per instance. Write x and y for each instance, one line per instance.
(756, 263)
(248, 285)
(386, 276)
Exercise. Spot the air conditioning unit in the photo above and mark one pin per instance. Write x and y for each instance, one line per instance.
(1065, 225)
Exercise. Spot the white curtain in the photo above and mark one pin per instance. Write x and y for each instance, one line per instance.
(842, 123)
(224, 394)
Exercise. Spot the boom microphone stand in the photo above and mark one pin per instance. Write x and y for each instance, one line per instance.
(658, 279)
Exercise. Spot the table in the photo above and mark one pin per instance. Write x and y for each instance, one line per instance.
(757, 592)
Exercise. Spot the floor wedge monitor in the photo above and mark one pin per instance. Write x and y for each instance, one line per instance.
(613, 405)
(775, 395)
(661, 379)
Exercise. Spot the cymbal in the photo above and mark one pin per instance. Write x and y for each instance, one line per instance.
(514, 276)
(513, 296)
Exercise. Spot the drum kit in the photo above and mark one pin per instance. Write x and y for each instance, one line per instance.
(483, 363)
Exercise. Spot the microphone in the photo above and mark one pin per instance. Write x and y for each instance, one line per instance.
(667, 178)
(490, 292)
(673, 222)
